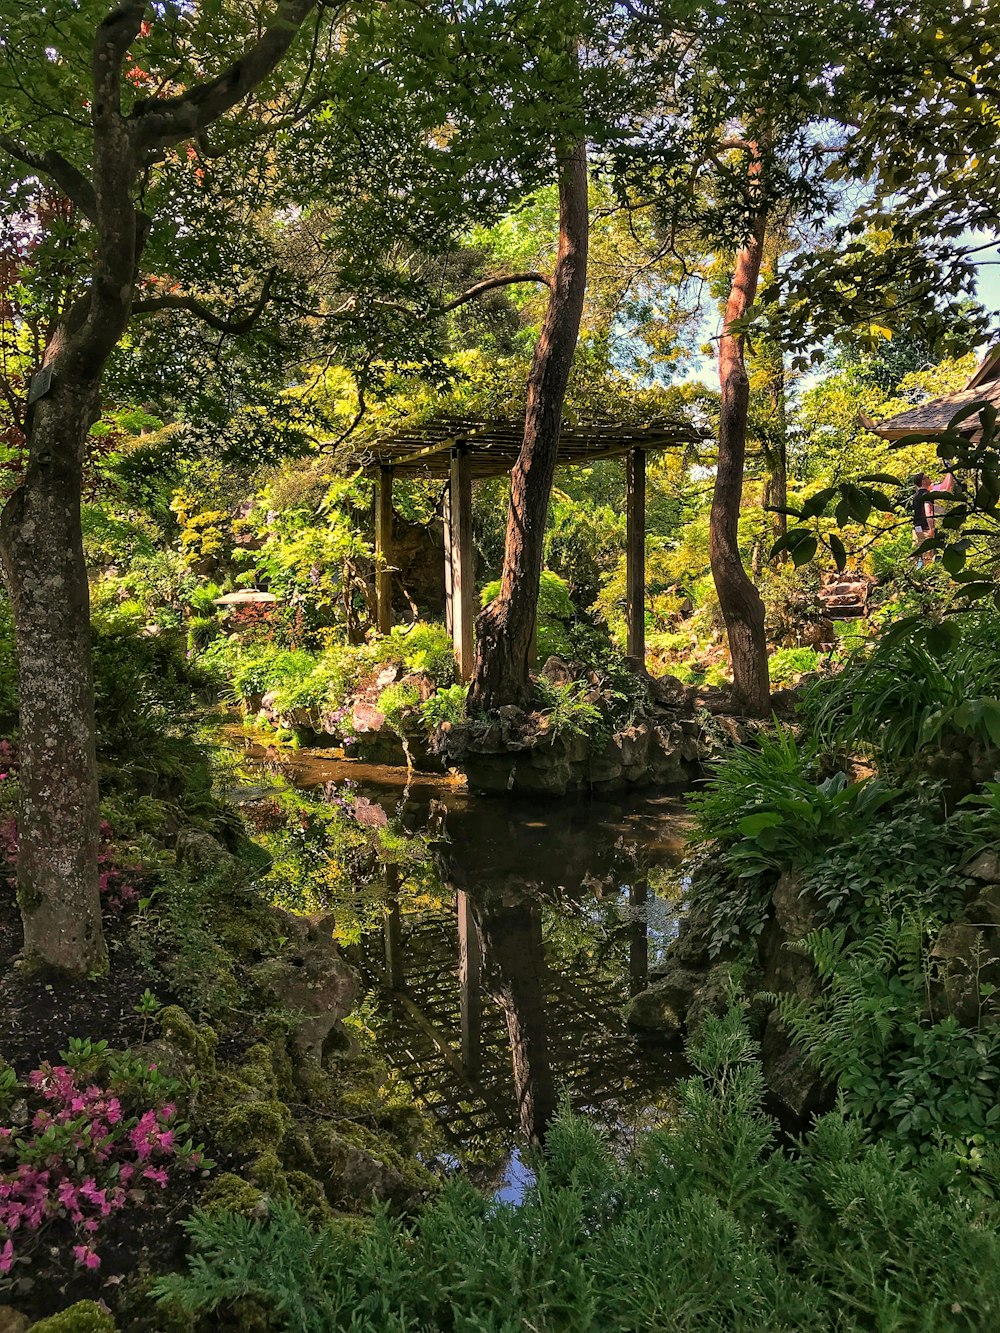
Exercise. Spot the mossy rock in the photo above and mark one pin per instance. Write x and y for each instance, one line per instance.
(255, 1126)
(195, 1040)
(83, 1317)
(230, 1193)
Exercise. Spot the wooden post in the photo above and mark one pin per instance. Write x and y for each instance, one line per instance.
(392, 930)
(383, 551)
(463, 582)
(635, 553)
(448, 588)
(470, 968)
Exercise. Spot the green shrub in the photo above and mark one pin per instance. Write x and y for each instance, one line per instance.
(446, 705)
(910, 693)
(925, 1084)
(787, 664)
(567, 709)
(424, 647)
(706, 1228)
(768, 812)
(396, 701)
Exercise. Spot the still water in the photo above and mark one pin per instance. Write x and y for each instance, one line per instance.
(503, 992)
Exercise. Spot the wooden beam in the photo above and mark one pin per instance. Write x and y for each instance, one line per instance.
(383, 551)
(635, 553)
(470, 986)
(448, 584)
(463, 581)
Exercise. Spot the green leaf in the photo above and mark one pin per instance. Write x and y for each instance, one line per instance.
(838, 551)
(804, 551)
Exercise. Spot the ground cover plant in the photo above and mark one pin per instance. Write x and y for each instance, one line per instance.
(707, 1226)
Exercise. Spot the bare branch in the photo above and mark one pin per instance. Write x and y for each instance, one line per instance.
(191, 304)
(163, 121)
(72, 182)
(488, 285)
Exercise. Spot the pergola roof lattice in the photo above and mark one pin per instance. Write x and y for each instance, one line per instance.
(492, 447)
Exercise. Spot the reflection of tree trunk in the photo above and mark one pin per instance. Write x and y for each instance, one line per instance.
(638, 939)
(742, 608)
(505, 630)
(511, 938)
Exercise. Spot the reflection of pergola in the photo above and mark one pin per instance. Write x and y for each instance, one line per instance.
(460, 452)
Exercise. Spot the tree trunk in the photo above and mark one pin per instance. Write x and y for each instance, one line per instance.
(41, 546)
(742, 608)
(775, 453)
(505, 630)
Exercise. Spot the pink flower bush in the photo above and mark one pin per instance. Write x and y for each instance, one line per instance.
(81, 1159)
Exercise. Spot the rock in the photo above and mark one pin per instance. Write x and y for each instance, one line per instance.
(11, 1320)
(556, 671)
(313, 981)
(964, 957)
(796, 1093)
(651, 1011)
(986, 867)
(388, 675)
(366, 717)
(795, 914)
(197, 850)
(666, 690)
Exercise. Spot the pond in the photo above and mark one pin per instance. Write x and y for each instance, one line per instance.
(502, 991)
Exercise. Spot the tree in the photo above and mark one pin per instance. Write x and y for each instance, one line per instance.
(116, 148)
(506, 627)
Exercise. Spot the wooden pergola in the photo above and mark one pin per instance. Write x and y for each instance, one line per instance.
(459, 452)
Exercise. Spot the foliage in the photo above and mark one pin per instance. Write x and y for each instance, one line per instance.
(770, 815)
(706, 1226)
(922, 1083)
(909, 860)
(913, 692)
(787, 664)
(568, 709)
(445, 705)
(397, 702)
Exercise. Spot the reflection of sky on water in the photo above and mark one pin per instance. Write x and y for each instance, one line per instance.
(517, 1179)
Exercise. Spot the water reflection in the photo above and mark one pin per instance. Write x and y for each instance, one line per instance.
(503, 990)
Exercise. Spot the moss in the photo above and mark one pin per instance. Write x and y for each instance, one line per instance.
(232, 1194)
(309, 1196)
(255, 1126)
(83, 1317)
(196, 1040)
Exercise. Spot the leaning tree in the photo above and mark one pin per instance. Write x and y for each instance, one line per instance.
(190, 151)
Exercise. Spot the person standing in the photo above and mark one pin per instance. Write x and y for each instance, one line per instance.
(923, 516)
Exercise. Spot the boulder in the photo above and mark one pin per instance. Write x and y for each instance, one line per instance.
(986, 868)
(11, 1320)
(796, 1093)
(796, 913)
(652, 1011)
(313, 981)
(556, 671)
(198, 850)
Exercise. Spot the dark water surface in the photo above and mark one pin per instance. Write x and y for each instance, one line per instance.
(503, 990)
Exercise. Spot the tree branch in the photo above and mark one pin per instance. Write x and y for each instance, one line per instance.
(488, 285)
(161, 122)
(72, 182)
(193, 306)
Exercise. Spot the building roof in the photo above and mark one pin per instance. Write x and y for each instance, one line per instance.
(983, 386)
(493, 446)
